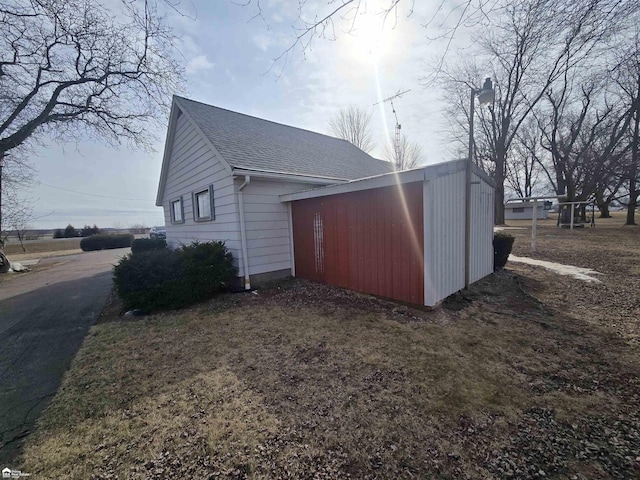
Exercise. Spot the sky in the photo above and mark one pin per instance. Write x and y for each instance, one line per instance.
(228, 55)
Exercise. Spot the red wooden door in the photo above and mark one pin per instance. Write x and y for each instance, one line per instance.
(371, 241)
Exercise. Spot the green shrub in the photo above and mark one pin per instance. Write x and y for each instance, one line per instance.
(151, 280)
(105, 242)
(70, 231)
(502, 244)
(146, 244)
(208, 267)
(168, 279)
(87, 231)
(58, 233)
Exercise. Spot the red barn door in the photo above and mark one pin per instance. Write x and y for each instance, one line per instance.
(371, 241)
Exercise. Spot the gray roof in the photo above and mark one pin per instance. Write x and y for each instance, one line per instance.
(256, 144)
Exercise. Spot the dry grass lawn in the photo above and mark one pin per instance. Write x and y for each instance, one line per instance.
(14, 249)
(537, 376)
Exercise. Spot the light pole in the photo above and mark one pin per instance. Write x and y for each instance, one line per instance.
(485, 95)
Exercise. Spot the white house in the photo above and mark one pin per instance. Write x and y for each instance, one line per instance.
(223, 173)
(524, 211)
(263, 188)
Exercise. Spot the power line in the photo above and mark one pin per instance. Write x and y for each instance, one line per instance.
(93, 194)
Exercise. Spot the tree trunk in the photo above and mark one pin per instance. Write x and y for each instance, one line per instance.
(635, 159)
(633, 199)
(633, 172)
(499, 179)
(603, 205)
(604, 210)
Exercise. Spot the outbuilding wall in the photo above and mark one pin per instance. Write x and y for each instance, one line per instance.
(444, 207)
(482, 220)
(444, 236)
(370, 241)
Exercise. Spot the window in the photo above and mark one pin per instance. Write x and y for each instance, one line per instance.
(176, 211)
(203, 205)
(518, 209)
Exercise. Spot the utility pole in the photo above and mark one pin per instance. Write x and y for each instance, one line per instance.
(396, 145)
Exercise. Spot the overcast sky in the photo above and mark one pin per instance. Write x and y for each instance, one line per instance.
(229, 63)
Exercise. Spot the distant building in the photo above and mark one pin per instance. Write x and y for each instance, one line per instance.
(524, 211)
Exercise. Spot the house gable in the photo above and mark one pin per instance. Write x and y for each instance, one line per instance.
(252, 143)
(190, 168)
(176, 112)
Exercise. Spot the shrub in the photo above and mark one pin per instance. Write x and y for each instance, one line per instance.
(151, 280)
(208, 268)
(502, 244)
(87, 231)
(164, 279)
(105, 242)
(58, 233)
(146, 244)
(70, 231)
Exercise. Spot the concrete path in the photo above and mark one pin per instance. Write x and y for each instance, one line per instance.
(44, 317)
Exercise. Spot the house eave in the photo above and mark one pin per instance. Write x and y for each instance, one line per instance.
(384, 180)
(240, 172)
(388, 179)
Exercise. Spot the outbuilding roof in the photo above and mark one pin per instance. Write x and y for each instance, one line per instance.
(251, 143)
(417, 174)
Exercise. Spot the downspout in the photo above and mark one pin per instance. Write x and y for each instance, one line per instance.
(243, 234)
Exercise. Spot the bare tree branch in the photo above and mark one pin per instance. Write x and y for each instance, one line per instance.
(408, 154)
(353, 125)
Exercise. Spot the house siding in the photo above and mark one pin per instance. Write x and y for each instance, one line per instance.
(193, 166)
(267, 224)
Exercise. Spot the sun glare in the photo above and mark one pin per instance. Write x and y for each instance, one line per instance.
(368, 40)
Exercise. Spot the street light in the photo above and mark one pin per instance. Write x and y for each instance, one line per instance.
(485, 95)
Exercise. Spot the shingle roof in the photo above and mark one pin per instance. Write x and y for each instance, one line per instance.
(256, 144)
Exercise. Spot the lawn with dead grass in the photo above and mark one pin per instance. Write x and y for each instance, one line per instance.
(310, 381)
(14, 249)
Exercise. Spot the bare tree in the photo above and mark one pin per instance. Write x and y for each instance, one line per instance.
(16, 174)
(407, 155)
(524, 168)
(627, 78)
(583, 130)
(72, 68)
(353, 124)
(530, 45)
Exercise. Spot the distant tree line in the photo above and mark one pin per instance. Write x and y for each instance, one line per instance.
(71, 232)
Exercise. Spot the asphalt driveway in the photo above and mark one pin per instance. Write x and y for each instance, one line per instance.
(44, 316)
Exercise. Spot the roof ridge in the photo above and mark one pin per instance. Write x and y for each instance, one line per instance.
(274, 122)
